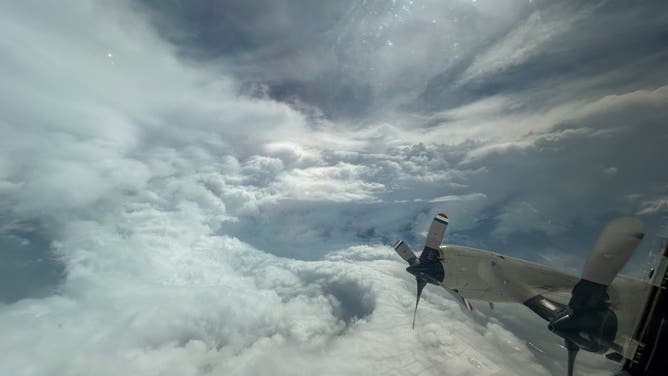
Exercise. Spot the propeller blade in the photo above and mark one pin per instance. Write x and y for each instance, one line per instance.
(588, 322)
(405, 252)
(420, 286)
(572, 349)
(463, 303)
(436, 231)
(613, 249)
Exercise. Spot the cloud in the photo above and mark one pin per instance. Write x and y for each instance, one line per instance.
(518, 45)
(521, 216)
(150, 303)
(133, 170)
(446, 99)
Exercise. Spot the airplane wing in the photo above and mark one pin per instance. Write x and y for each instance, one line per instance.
(547, 291)
(488, 276)
(539, 279)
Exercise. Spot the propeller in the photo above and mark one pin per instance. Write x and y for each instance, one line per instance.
(613, 249)
(572, 349)
(420, 286)
(588, 310)
(427, 268)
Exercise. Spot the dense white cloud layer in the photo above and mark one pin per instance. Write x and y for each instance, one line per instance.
(182, 209)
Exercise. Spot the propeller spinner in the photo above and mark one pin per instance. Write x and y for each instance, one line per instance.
(588, 310)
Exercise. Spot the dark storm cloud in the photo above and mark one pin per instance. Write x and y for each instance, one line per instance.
(345, 57)
(214, 28)
(350, 59)
(287, 47)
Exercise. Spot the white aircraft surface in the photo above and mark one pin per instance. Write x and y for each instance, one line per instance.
(597, 312)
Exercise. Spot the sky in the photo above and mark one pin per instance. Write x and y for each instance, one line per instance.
(211, 187)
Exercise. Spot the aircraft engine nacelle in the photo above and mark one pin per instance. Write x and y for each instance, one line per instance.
(593, 331)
